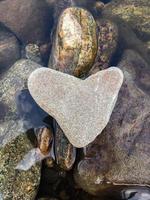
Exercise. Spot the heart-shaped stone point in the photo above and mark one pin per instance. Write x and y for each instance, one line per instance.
(82, 108)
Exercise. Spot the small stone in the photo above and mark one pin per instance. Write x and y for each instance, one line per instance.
(9, 49)
(82, 108)
(32, 52)
(75, 45)
(65, 152)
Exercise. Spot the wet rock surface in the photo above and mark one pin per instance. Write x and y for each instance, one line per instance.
(9, 49)
(75, 46)
(59, 94)
(135, 12)
(119, 156)
(16, 184)
(12, 82)
(14, 143)
(29, 21)
(65, 152)
(107, 43)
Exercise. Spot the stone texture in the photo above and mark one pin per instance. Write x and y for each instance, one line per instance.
(75, 45)
(12, 82)
(32, 52)
(9, 49)
(65, 152)
(82, 108)
(30, 21)
(16, 184)
(107, 43)
(14, 143)
(134, 12)
(120, 155)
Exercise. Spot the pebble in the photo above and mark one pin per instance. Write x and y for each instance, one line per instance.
(75, 44)
(81, 117)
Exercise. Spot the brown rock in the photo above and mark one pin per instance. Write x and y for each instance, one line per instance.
(120, 155)
(30, 21)
(75, 46)
(9, 49)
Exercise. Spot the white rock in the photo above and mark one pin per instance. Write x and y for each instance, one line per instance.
(82, 108)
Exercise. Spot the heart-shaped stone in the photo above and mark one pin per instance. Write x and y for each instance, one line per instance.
(82, 108)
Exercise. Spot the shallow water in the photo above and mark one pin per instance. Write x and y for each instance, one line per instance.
(56, 182)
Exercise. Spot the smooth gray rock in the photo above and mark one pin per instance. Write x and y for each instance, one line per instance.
(82, 108)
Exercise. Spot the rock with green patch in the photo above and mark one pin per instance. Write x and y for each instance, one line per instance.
(75, 46)
(134, 12)
(14, 143)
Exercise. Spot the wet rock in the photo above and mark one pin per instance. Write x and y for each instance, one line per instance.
(75, 46)
(16, 184)
(32, 52)
(62, 99)
(45, 138)
(120, 155)
(12, 82)
(30, 21)
(31, 115)
(9, 49)
(107, 43)
(135, 12)
(65, 152)
(128, 40)
(14, 143)
(93, 6)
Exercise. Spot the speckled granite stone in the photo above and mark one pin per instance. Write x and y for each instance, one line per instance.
(75, 44)
(82, 108)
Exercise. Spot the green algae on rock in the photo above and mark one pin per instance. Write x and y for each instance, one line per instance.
(16, 184)
(75, 45)
(134, 12)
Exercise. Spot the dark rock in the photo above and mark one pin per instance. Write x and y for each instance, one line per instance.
(107, 43)
(120, 155)
(31, 21)
(31, 115)
(65, 152)
(9, 49)
(135, 12)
